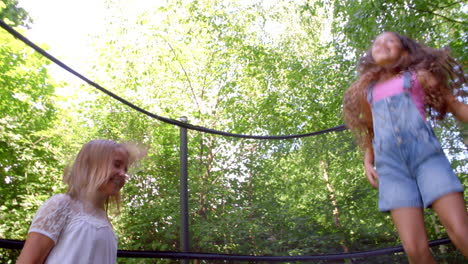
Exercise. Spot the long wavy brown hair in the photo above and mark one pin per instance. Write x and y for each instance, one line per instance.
(436, 62)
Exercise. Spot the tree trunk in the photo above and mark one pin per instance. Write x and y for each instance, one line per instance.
(336, 211)
(206, 177)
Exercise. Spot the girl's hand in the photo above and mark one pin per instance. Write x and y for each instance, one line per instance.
(371, 173)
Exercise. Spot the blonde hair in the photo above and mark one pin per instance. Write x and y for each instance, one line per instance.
(92, 166)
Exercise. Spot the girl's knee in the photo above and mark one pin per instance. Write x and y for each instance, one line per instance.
(417, 250)
(457, 228)
(458, 233)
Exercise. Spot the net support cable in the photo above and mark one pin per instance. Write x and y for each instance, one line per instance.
(18, 244)
(19, 36)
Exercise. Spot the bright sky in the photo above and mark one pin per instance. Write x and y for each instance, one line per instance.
(63, 26)
(64, 29)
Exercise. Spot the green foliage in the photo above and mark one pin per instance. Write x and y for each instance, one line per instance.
(29, 160)
(252, 68)
(11, 14)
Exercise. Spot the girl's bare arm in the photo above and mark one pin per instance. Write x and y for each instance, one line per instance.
(36, 249)
(457, 108)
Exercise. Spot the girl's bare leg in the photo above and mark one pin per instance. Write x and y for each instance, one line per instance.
(410, 226)
(452, 213)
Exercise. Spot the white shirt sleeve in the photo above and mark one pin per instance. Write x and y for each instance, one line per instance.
(51, 217)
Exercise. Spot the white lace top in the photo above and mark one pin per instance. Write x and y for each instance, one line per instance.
(81, 233)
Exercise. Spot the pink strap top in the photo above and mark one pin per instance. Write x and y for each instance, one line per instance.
(394, 86)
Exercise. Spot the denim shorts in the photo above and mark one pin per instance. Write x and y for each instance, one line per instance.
(413, 169)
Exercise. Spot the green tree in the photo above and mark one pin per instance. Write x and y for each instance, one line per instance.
(260, 67)
(12, 14)
(29, 162)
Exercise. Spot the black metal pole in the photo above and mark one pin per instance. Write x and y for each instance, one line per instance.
(184, 225)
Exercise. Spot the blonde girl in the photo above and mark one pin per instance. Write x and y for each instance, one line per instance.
(74, 227)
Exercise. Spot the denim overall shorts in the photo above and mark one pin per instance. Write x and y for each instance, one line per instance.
(412, 167)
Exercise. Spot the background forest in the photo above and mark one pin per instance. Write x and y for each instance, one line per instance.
(253, 67)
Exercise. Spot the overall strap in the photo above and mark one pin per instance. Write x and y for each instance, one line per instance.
(369, 92)
(406, 81)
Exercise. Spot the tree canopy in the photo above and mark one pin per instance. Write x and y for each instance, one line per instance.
(251, 67)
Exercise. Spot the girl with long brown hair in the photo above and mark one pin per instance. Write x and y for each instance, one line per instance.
(400, 82)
